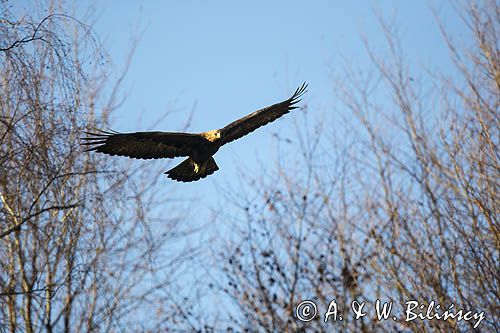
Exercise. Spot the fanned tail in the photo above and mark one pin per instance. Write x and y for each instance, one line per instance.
(189, 170)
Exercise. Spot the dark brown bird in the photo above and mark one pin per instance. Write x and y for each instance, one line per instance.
(199, 147)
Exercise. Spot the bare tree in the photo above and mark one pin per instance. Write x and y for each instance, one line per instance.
(80, 238)
(398, 204)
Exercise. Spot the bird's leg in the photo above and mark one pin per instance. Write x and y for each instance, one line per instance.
(196, 167)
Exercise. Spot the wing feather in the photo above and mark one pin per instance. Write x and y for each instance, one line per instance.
(251, 122)
(145, 145)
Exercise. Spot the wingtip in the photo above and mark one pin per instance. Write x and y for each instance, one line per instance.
(301, 90)
(296, 97)
(108, 130)
(99, 134)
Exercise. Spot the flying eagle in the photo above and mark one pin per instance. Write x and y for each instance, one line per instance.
(199, 147)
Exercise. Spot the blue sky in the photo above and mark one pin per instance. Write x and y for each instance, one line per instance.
(225, 59)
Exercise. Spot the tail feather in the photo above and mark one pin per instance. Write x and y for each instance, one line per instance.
(189, 170)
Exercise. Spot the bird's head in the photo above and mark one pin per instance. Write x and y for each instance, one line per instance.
(211, 135)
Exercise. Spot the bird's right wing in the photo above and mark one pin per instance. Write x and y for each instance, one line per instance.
(251, 122)
(145, 145)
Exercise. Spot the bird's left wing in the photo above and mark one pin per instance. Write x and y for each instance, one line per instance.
(145, 145)
(250, 123)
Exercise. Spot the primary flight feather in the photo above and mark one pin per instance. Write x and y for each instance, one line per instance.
(199, 147)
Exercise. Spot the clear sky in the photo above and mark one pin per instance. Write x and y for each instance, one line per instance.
(225, 59)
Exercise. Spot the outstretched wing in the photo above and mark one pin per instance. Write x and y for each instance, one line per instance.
(250, 123)
(146, 145)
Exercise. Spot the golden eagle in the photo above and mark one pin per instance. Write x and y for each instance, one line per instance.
(198, 147)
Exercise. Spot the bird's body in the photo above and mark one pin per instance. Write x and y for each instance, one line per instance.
(199, 147)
